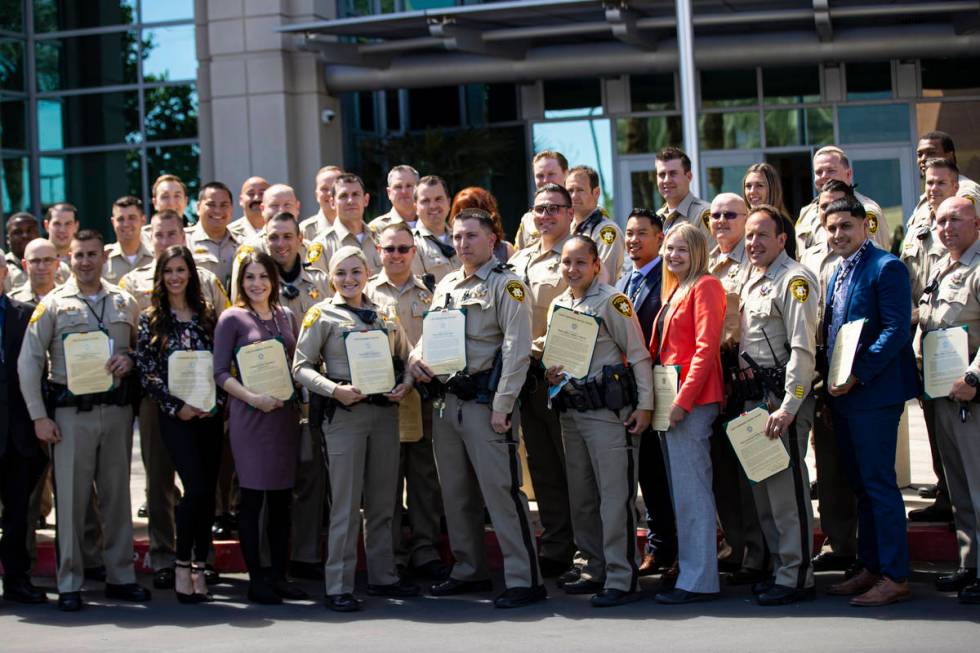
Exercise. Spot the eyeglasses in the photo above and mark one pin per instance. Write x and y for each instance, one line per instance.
(401, 249)
(550, 209)
(727, 215)
(42, 261)
(289, 291)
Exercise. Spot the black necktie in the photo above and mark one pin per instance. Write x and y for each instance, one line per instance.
(366, 315)
(447, 250)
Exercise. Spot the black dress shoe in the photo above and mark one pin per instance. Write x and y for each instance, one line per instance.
(746, 576)
(164, 579)
(763, 586)
(828, 561)
(678, 596)
(70, 601)
(263, 593)
(342, 603)
(518, 597)
(582, 586)
(401, 589)
(95, 573)
(142, 512)
(306, 570)
(931, 514)
(22, 591)
(930, 491)
(433, 569)
(970, 594)
(551, 568)
(729, 566)
(127, 592)
(288, 591)
(452, 586)
(783, 595)
(957, 580)
(611, 598)
(570, 576)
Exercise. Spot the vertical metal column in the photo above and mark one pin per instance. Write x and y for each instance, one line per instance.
(689, 102)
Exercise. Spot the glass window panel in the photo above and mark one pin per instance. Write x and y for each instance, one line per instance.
(86, 120)
(950, 77)
(393, 110)
(569, 98)
(180, 160)
(169, 53)
(60, 15)
(86, 61)
(490, 103)
(433, 107)
(154, 11)
(729, 131)
(417, 5)
(643, 135)
(724, 179)
(15, 184)
(874, 124)
(643, 187)
(365, 110)
(13, 124)
(12, 15)
(869, 80)
(728, 88)
(583, 142)
(962, 120)
(881, 179)
(171, 112)
(791, 84)
(11, 65)
(91, 182)
(652, 92)
(799, 127)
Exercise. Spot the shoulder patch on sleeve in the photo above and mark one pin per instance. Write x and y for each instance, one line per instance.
(313, 253)
(516, 290)
(800, 290)
(311, 317)
(622, 305)
(706, 219)
(798, 392)
(608, 234)
(872, 222)
(243, 251)
(38, 312)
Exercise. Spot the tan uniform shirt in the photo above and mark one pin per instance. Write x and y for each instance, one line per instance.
(214, 256)
(541, 273)
(779, 309)
(243, 230)
(117, 265)
(809, 231)
(498, 317)
(392, 216)
(17, 278)
(620, 335)
(732, 269)
(260, 244)
(429, 258)
(527, 232)
(323, 248)
(314, 226)
(691, 209)
(63, 311)
(822, 262)
(313, 289)
(609, 241)
(139, 283)
(409, 303)
(321, 340)
(956, 301)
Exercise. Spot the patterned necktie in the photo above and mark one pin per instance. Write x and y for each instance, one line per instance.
(634, 285)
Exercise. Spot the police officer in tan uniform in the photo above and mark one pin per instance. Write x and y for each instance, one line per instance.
(778, 332)
(22, 228)
(602, 439)
(402, 181)
(349, 200)
(212, 245)
(734, 501)
(673, 168)
(538, 266)
(317, 224)
(938, 145)
(582, 184)
(89, 433)
(360, 434)
(250, 199)
(128, 252)
(548, 167)
(435, 256)
(474, 435)
(831, 162)
(407, 297)
(952, 299)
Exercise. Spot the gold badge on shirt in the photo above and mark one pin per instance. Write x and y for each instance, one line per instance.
(800, 290)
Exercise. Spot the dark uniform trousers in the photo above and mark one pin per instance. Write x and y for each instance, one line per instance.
(309, 500)
(416, 542)
(836, 500)
(655, 487)
(19, 475)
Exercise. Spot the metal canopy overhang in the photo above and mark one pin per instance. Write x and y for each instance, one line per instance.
(527, 40)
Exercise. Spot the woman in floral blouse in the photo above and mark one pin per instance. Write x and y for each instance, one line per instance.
(179, 319)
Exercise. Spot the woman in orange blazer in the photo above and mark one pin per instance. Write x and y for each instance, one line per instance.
(687, 333)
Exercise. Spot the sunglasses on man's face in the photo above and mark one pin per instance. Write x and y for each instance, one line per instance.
(401, 249)
(550, 209)
(727, 215)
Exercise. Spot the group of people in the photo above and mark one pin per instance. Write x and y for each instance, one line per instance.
(742, 301)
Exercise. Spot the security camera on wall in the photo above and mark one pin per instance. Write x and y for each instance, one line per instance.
(327, 116)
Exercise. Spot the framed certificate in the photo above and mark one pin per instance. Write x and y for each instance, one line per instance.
(264, 369)
(86, 355)
(666, 382)
(369, 359)
(190, 378)
(570, 341)
(945, 357)
(760, 457)
(845, 349)
(444, 341)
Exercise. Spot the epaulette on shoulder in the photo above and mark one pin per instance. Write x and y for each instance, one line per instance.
(503, 267)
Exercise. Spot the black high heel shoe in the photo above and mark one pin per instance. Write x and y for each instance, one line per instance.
(181, 596)
(201, 597)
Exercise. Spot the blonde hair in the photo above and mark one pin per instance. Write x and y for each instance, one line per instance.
(697, 247)
(341, 255)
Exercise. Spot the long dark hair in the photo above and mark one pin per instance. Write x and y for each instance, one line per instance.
(161, 320)
(271, 269)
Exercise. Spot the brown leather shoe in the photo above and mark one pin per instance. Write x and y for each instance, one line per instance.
(649, 566)
(669, 576)
(885, 592)
(860, 584)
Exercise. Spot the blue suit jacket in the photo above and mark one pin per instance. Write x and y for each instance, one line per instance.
(647, 303)
(881, 293)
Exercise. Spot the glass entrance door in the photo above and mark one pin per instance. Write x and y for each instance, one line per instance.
(889, 176)
(722, 172)
(636, 185)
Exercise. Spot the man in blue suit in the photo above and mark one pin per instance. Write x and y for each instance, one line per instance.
(641, 283)
(872, 285)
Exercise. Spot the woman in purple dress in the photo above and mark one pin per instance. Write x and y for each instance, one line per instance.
(264, 431)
